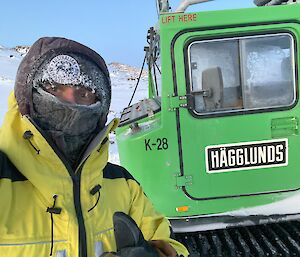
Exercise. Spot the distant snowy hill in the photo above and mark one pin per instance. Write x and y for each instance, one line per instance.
(9, 61)
(22, 49)
(123, 77)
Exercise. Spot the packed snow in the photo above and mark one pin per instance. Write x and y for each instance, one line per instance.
(123, 77)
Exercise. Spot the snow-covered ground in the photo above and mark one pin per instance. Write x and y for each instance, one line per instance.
(9, 61)
(123, 79)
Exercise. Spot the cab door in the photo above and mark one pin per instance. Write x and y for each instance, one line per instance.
(239, 133)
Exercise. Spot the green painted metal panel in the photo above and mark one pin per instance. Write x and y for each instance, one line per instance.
(153, 154)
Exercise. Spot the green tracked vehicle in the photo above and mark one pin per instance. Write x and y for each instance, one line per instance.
(216, 144)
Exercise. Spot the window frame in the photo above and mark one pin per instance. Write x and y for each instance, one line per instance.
(188, 73)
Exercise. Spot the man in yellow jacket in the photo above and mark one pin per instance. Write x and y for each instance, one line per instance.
(58, 192)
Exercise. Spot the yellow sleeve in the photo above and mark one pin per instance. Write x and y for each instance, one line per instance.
(153, 225)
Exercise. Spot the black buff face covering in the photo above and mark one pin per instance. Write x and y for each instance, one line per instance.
(69, 126)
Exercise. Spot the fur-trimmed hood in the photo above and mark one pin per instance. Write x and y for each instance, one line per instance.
(35, 56)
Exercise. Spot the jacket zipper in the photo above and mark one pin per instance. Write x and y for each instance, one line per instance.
(78, 209)
(82, 251)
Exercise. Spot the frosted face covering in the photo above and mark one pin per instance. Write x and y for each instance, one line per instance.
(71, 99)
(73, 79)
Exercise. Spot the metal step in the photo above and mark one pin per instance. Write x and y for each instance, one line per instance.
(269, 240)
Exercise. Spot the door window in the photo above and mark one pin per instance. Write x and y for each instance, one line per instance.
(241, 74)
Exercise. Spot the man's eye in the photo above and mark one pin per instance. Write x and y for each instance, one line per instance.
(51, 88)
(84, 94)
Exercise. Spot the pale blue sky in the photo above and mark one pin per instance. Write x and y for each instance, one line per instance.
(115, 29)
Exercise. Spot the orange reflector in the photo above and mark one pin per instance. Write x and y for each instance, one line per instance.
(182, 209)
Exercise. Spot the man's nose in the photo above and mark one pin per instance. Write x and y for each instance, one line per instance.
(69, 95)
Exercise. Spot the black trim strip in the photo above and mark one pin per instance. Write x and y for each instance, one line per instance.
(113, 171)
(8, 169)
(179, 142)
(236, 196)
(178, 113)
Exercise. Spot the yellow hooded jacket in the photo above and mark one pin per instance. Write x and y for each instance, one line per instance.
(45, 207)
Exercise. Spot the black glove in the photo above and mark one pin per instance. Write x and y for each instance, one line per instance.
(129, 238)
